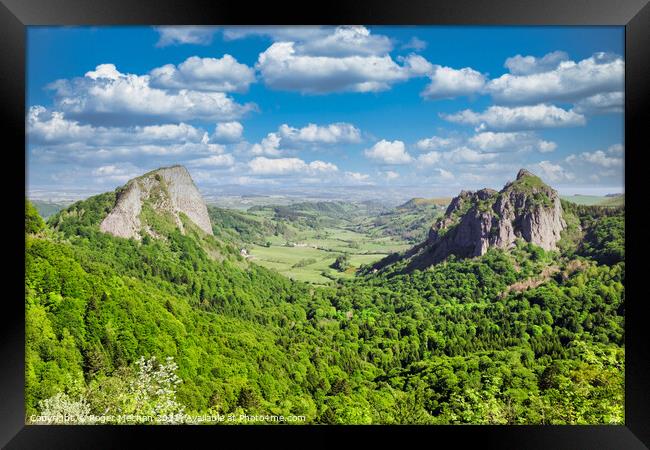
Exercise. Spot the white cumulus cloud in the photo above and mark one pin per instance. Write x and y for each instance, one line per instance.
(608, 102)
(435, 143)
(312, 135)
(552, 173)
(322, 166)
(270, 146)
(447, 82)
(108, 96)
(54, 138)
(177, 35)
(598, 157)
(463, 155)
(526, 65)
(228, 132)
(569, 81)
(53, 128)
(334, 133)
(389, 152)
(347, 41)
(283, 68)
(445, 175)
(503, 118)
(223, 74)
(429, 159)
(490, 141)
(282, 166)
(115, 173)
(223, 160)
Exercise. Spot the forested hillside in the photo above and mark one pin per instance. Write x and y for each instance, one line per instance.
(409, 221)
(461, 342)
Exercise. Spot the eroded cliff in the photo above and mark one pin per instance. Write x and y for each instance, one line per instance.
(168, 191)
(525, 209)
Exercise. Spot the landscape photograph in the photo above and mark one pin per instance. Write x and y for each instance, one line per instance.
(325, 225)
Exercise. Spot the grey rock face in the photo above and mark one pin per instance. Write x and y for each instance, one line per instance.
(169, 190)
(476, 221)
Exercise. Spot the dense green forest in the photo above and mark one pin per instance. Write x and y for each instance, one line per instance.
(185, 325)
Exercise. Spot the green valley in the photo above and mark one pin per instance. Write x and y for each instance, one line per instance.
(176, 323)
(302, 240)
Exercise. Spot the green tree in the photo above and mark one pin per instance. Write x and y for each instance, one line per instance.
(341, 263)
(33, 221)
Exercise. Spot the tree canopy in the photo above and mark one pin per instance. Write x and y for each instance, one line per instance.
(465, 341)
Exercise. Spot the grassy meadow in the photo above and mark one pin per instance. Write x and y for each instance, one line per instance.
(309, 255)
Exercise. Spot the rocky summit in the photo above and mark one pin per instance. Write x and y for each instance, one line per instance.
(169, 191)
(525, 209)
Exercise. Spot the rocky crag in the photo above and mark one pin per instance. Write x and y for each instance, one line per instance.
(525, 209)
(169, 191)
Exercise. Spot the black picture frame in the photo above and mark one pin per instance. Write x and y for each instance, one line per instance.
(16, 15)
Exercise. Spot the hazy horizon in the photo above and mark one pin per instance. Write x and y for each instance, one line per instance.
(226, 195)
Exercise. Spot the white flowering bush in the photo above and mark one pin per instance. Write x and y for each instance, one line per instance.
(145, 393)
(152, 392)
(61, 409)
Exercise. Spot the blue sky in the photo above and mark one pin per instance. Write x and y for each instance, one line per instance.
(379, 110)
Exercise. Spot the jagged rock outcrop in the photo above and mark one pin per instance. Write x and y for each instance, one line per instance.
(525, 209)
(168, 190)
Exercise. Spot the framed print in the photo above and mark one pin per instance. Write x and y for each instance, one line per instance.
(373, 218)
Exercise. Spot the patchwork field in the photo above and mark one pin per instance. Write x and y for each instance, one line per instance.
(303, 240)
(309, 256)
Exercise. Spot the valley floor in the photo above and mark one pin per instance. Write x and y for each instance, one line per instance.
(310, 255)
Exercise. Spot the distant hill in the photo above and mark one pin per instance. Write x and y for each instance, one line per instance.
(613, 200)
(419, 202)
(409, 221)
(241, 227)
(596, 200)
(318, 214)
(47, 209)
(259, 223)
